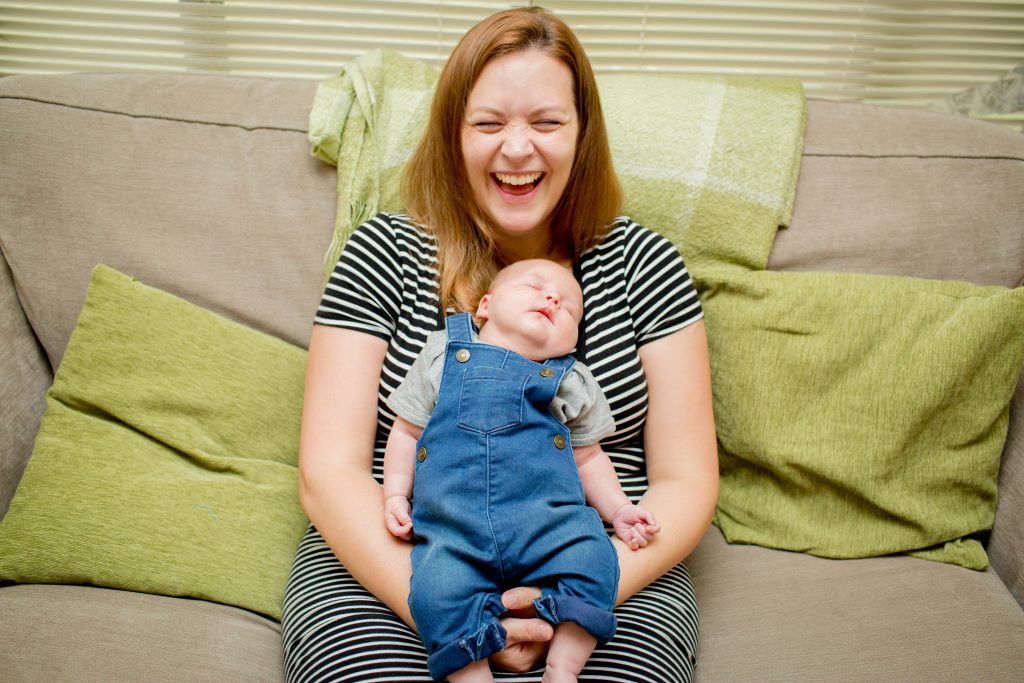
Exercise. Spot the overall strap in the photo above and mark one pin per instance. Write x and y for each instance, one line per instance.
(460, 327)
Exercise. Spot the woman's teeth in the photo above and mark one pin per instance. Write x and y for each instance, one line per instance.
(517, 179)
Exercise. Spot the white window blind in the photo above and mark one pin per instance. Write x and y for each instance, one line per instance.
(910, 53)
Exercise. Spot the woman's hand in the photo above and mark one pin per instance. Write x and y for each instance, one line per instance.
(527, 636)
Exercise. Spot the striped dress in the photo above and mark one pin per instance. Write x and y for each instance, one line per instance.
(635, 290)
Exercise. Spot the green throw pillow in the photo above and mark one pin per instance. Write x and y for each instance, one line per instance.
(861, 415)
(166, 460)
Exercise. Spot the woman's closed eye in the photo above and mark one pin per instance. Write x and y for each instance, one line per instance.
(548, 125)
(488, 126)
(545, 126)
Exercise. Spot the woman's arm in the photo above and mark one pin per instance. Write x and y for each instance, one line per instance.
(336, 486)
(681, 454)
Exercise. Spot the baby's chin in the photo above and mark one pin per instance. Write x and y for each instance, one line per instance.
(540, 355)
(542, 349)
(537, 342)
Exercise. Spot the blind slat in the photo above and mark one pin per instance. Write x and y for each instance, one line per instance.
(881, 51)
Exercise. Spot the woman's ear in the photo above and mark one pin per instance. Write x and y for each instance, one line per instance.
(482, 307)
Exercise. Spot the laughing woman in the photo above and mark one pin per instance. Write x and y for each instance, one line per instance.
(514, 164)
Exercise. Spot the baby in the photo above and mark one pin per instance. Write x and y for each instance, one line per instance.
(493, 466)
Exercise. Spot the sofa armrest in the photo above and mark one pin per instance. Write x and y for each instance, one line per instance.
(25, 375)
(1006, 546)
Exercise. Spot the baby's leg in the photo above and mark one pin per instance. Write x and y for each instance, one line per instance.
(570, 649)
(476, 672)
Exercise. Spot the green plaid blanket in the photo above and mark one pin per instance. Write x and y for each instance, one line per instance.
(710, 162)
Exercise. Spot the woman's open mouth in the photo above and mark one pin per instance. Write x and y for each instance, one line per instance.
(517, 184)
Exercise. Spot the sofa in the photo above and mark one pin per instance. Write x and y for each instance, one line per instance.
(203, 186)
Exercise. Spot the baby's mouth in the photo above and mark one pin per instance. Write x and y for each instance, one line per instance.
(517, 183)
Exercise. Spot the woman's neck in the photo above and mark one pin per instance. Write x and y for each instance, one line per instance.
(532, 247)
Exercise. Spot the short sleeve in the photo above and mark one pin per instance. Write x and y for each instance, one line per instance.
(661, 294)
(365, 288)
(582, 407)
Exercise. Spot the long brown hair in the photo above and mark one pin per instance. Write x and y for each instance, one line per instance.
(436, 190)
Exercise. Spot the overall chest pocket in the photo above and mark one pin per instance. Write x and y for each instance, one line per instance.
(491, 399)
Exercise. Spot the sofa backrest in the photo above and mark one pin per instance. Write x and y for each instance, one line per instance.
(200, 185)
(203, 185)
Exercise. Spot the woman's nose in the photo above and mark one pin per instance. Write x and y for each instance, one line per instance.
(518, 143)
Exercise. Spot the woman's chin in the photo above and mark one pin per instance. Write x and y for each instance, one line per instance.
(519, 222)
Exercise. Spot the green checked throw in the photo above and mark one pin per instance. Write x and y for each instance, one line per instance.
(710, 162)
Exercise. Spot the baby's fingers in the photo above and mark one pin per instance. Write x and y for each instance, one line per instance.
(640, 535)
(632, 538)
(647, 518)
(400, 526)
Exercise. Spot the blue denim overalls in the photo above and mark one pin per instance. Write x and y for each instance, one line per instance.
(498, 503)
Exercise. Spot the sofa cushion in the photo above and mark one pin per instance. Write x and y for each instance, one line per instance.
(85, 634)
(861, 415)
(903, 192)
(202, 185)
(1006, 544)
(26, 376)
(165, 462)
(768, 615)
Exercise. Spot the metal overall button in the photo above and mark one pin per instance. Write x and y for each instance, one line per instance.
(462, 355)
(421, 454)
(559, 441)
(547, 372)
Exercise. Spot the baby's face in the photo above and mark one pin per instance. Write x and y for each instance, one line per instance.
(534, 308)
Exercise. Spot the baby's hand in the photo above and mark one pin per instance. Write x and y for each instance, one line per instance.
(397, 517)
(634, 525)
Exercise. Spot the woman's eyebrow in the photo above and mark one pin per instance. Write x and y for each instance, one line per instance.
(545, 109)
(550, 109)
(485, 110)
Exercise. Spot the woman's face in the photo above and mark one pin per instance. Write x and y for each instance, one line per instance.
(519, 142)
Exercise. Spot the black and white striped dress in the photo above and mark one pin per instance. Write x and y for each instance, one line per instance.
(635, 289)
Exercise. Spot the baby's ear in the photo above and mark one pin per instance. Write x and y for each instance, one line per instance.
(482, 307)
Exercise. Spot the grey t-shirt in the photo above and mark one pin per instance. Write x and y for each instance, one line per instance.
(579, 403)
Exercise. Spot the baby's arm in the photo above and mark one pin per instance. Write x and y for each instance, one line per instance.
(632, 523)
(399, 473)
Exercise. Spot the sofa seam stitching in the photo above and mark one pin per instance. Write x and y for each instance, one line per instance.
(914, 156)
(154, 116)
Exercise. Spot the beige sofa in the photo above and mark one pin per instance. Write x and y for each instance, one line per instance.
(204, 186)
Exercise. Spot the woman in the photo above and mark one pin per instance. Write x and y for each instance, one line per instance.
(514, 164)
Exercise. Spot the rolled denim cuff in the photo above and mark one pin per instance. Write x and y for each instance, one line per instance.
(556, 609)
(464, 651)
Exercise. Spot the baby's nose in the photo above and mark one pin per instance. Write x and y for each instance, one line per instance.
(554, 299)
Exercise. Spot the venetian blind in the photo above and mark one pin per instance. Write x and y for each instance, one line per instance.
(910, 53)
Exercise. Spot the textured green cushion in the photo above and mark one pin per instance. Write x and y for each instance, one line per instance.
(166, 461)
(861, 415)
